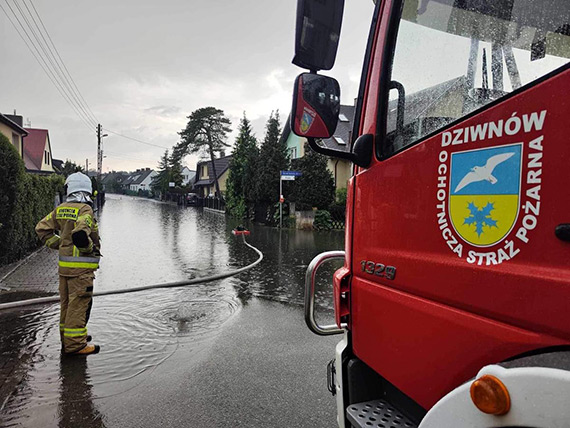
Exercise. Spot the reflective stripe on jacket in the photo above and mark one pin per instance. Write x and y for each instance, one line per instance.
(67, 219)
(79, 262)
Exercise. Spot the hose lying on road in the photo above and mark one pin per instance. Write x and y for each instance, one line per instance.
(192, 281)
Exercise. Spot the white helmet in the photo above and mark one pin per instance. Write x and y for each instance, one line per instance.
(78, 182)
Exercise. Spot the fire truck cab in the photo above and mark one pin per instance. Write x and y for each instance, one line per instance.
(454, 299)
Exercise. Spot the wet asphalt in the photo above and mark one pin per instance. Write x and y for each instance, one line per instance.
(233, 353)
(264, 369)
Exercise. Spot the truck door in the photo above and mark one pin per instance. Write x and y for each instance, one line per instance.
(458, 250)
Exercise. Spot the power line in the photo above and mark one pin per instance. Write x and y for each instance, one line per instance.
(61, 61)
(54, 71)
(135, 139)
(130, 157)
(54, 82)
(62, 80)
(55, 65)
(55, 68)
(44, 66)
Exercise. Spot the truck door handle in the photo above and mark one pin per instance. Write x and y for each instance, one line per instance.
(562, 232)
(310, 280)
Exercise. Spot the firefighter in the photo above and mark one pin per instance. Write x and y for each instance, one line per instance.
(79, 251)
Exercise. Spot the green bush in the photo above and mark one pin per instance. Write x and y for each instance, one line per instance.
(341, 196)
(323, 220)
(236, 207)
(287, 220)
(24, 200)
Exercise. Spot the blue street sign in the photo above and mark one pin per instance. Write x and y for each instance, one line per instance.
(291, 173)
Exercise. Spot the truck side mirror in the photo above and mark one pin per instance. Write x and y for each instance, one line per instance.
(316, 105)
(317, 33)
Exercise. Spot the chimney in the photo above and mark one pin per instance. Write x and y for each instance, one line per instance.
(222, 153)
(16, 119)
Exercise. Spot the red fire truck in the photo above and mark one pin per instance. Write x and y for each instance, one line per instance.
(454, 298)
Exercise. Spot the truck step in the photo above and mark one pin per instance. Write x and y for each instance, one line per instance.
(377, 414)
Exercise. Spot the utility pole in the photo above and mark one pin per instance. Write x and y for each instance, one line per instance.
(99, 154)
(99, 163)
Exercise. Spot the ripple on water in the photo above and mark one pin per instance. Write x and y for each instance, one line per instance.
(137, 333)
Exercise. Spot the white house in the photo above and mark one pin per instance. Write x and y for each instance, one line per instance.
(141, 179)
(188, 176)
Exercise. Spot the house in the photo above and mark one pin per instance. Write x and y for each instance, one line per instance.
(188, 176)
(341, 169)
(204, 185)
(428, 110)
(37, 151)
(113, 182)
(140, 180)
(11, 126)
(57, 165)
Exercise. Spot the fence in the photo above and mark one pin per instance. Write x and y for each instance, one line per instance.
(214, 203)
(338, 215)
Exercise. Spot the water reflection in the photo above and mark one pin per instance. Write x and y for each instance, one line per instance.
(287, 253)
(145, 242)
(76, 408)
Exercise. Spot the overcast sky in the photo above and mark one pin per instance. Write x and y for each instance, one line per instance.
(143, 66)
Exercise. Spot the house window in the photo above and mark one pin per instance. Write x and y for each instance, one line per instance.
(16, 140)
(293, 152)
(46, 158)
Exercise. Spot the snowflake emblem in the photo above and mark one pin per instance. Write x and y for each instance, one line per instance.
(480, 217)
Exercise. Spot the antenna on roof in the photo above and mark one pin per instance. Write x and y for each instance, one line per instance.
(28, 123)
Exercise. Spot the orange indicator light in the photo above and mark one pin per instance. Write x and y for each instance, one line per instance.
(490, 395)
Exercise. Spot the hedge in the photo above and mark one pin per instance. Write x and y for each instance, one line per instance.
(24, 200)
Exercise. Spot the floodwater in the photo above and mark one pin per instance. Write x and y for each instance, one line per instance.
(145, 242)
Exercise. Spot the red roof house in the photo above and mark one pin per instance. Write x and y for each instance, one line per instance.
(37, 151)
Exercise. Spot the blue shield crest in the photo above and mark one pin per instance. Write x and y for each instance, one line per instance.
(484, 193)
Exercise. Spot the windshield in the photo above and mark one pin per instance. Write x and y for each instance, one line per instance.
(453, 57)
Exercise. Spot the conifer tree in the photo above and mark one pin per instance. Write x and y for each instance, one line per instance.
(175, 165)
(69, 167)
(315, 187)
(273, 158)
(206, 132)
(242, 170)
(160, 181)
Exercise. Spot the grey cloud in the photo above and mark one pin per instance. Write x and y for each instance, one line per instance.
(167, 111)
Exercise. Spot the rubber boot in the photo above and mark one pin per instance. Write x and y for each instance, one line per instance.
(88, 349)
(89, 339)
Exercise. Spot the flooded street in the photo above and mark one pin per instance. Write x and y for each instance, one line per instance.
(234, 351)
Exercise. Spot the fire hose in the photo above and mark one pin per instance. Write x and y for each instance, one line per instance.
(53, 299)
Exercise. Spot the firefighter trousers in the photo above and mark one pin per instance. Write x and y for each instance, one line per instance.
(76, 295)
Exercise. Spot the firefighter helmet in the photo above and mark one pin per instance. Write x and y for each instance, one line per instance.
(78, 182)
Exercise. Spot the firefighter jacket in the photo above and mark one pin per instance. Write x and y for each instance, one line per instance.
(78, 239)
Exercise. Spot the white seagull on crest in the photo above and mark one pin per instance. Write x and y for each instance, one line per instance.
(480, 173)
